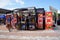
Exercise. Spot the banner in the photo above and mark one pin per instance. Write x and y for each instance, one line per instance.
(48, 20)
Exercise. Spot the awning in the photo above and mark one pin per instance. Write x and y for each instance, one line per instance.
(2, 16)
(5, 11)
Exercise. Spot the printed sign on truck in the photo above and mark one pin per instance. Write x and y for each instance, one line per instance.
(48, 20)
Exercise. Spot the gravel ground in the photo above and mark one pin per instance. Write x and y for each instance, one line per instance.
(29, 35)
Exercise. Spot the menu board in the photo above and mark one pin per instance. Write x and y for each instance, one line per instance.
(48, 20)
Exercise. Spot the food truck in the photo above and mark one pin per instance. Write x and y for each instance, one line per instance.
(27, 18)
(23, 13)
(48, 21)
(40, 17)
(32, 18)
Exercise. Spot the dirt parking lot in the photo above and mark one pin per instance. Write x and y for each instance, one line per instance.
(29, 35)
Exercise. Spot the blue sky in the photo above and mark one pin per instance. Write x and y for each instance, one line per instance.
(12, 4)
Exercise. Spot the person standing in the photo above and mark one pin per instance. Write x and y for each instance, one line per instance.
(14, 21)
(8, 22)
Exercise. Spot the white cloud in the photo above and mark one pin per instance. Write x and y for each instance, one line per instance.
(58, 11)
(9, 4)
(20, 1)
(11, 8)
(4, 3)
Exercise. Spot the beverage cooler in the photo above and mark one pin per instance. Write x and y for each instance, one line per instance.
(40, 17)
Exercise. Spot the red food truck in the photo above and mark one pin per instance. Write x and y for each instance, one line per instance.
(48, 21)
